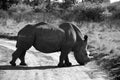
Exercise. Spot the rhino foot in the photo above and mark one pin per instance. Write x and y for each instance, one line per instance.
(68, 64)
(23, 64)
(82, 63)
(12, 64)
(61, 65)
(65, 65)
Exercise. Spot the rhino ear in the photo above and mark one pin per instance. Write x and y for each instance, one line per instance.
(85, 38)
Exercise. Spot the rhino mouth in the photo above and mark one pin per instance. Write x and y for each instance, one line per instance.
(82, 60)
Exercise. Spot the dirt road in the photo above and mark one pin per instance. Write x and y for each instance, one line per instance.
(42, 66)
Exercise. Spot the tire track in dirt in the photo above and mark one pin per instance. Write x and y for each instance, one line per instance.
(43, 67)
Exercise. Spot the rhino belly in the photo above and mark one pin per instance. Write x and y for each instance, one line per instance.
(48, 41)
(47, 47)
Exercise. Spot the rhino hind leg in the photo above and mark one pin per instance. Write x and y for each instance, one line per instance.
(15, 55)
(22, 58)
(20, 53)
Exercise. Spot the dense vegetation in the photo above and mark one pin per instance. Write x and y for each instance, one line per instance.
(78, 12)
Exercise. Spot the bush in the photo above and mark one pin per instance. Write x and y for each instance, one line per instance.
(4, 14)
(116, 15)
(20, 12)
(19, 17)
(20, 8)
(115, 10)
(83, 13)
(91, 14)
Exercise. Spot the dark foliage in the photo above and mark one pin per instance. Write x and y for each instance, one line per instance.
(115, 10)
(92, 14)
(83, 14)
(5, 4)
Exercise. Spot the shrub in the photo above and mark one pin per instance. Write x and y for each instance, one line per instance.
(20, 8)
(20, 12)
(4, 14)
(19, 17)
(116, 15)
(84, 14)
(115, 10)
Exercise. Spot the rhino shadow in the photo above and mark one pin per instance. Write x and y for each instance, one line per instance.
(9, 67)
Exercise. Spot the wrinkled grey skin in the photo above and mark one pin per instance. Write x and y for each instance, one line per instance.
(46, 38)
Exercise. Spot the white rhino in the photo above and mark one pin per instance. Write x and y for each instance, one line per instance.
(48, 38)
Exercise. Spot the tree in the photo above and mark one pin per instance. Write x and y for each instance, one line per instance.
(26, 2)
(68, 3)
(11, 2)
(36, 2)
(48, 4)
(73, 1)
(4, 4)
(93, 1)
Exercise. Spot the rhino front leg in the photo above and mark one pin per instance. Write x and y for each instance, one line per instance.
(62, 58)
(67, 62)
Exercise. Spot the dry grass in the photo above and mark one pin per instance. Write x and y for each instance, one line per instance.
(6, 53)
(104, 45)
